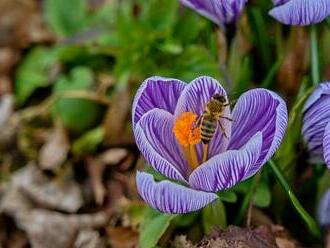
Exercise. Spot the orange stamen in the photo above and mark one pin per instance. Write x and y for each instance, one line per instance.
(188, 136)
(184, 130)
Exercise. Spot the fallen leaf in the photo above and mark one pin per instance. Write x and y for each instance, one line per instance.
(95, 170)
(47, 229)
(88, 238)
(116, 117)
(122, 237)
(8, 59)
(64, 196)
(113, 156)
(54, 152)
(328, 239)
(52, 229)
(96, 167)
(6, 108)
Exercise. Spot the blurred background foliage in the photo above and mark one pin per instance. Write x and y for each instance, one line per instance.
(74, 68)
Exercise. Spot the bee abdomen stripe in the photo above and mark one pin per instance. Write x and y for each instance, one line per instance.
(208, 123)
(207, 135)
(208, 129)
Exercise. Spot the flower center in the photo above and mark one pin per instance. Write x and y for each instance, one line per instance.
(188, 135)
(184, 130)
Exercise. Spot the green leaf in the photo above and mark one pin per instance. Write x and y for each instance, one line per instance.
(160, 15)
(183, 31)
(227, 196)
(195, 61)
(153, 228)
(66, 17)
(262, 195)
(34, 72)
(76, 114)
(286, 156)
(88, 142)
(185, 220)
(214, 214)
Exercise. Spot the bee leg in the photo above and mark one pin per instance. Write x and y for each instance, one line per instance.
(226, 118)
(223, 130)
(197, 122)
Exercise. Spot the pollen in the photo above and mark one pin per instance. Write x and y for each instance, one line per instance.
(184, 130)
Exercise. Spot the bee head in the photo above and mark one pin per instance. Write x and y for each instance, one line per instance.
(220, 98)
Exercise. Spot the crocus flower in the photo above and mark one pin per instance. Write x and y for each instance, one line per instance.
(323, 210)
(164, 121)
(316, 124)
(300, 12)
(218, 11)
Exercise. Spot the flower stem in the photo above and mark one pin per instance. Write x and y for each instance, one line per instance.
(315, 63)
(309, 221)
(247, 199)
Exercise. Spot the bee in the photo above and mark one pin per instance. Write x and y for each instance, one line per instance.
(210, 119)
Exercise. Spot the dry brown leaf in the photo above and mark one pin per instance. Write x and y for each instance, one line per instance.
(64, 196)
(5, 85)
(95, 170)
(122, 237)
(96, 167)
(285, 243)
(8, 58)
(89, 239)
(21, 23)
(6, 108)
(327, 244)
(113, 156)
(295, 61)
(14, 201)
(116, 116)
(238, 237)
(52, 229)
(182, 242)
(54, 152)
(47, 229)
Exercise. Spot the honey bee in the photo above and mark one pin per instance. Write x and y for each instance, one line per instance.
(210, 119)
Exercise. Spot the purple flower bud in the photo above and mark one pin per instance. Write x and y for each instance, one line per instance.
(218, 11)
(300, 12)
(316, 124)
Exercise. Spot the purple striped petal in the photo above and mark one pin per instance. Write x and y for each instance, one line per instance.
(156, 141)
(326, 145)
(169, 197)
(156, 92)
(218, 11)
(194, 99)
(259, 110)
(323, 210)
(227, 169)
(301, 12)
(316, 118)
